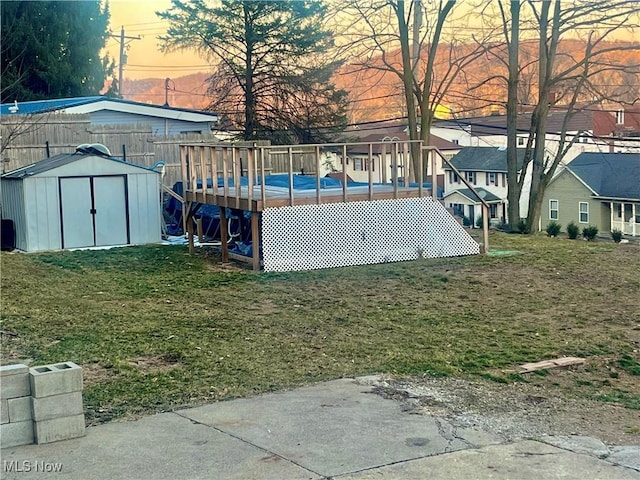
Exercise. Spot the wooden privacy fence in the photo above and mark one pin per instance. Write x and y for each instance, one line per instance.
(26, 139)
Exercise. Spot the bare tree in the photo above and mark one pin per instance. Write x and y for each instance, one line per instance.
(569, 80)
(408, 40)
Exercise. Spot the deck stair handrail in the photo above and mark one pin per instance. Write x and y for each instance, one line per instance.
(485, 205)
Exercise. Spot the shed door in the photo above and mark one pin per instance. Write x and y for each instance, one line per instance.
(75, 206)
(94, 211)
(110, 204)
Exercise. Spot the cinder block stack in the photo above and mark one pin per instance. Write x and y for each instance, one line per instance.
(15, 406)
(56, 400)
(41, 404)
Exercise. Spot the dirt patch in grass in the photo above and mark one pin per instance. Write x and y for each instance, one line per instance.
(94, 373)
(155, 363)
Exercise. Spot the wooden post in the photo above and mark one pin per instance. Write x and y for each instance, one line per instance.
(255, 240)
(190, 228)
(485, 227)
(290, 169)
(420, 175)
(203, 169)
(317, 156)
(199, 229)
(383, 162)
(370, 171)
(263, 181)
(250, 172)
(434, 176)
(394, 168)
(225, 171)
(344, 174)
(223, 234)
(214, 170)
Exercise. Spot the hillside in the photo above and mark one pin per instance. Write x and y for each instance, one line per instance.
(377, 95)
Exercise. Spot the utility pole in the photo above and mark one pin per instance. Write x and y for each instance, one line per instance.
(123, 40)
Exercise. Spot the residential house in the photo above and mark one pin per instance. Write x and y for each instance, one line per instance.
(599, 189)
(164, 120)
(486, 169)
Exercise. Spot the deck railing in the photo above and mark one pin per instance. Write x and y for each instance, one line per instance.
(227, 165)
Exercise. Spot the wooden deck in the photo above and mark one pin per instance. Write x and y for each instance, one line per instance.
(231, 176)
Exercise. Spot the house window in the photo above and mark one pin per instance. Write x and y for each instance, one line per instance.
(493, 210)
(520, 141)
(553, 209)
(620, 117)
(453, 177)
(584, 212)
(358, 164)
(470, 177)
(492, 178)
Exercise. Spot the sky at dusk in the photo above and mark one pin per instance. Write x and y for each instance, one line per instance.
(144, 57)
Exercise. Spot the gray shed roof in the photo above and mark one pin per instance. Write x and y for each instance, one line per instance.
(483, 159)
(59, 161)
(613, 175)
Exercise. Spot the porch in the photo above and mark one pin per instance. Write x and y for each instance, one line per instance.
(625, 216)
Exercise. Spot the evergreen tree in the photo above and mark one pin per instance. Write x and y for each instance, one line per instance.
(51, 49)
(271, 74)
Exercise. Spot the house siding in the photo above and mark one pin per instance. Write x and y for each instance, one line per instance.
(159, 126)
(570, 192)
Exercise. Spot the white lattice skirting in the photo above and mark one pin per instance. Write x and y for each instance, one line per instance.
(307, 237)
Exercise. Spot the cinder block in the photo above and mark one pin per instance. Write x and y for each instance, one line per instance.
(62, 428)
(13, 369)
(14, 386)
(20, 409)
(17, 433)
(4, 411)
(55, 406)
(55, 379)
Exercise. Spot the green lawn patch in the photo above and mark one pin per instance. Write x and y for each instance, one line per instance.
(157, 329)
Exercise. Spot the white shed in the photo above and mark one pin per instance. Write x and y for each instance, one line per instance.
(82, 199)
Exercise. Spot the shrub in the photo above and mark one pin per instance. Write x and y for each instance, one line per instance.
(553, 229)
(466, 221)
(616, 235)
(479, 221)
(522, 226)
(572, 230)
(589, 232)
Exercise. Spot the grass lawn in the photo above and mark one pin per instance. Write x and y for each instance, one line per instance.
(155, 328)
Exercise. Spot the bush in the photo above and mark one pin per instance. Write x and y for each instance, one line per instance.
(479, 221)
(522, 226)
(616, 235)
(553, 229)
(572, 231)
(466, 221)
(589, 232)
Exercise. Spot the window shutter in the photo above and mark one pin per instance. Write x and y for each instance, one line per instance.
(486, 177)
